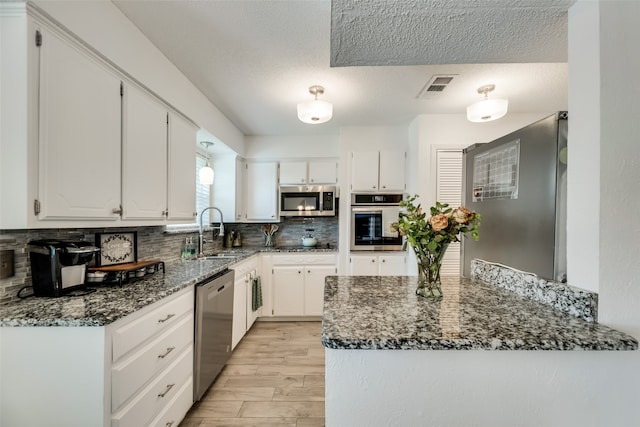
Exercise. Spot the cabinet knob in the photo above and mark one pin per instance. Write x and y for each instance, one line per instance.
(384, 260)
(374, 187)
(117, 210)
(373, 260)
(195, 214)
(299, 272)
(384, 186)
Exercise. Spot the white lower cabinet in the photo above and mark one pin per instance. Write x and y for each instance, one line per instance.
(136, 371)
(152, 362)
(243, 315)
(378, 265)
(298, 283)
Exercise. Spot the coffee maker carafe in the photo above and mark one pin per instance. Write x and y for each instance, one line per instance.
(57, 266)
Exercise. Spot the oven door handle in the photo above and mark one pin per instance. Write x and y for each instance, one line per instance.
(366, 210)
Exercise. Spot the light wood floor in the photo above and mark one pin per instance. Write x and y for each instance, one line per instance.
(275, 377)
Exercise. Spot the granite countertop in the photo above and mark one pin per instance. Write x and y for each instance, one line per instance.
(383, 313)
(111, 302)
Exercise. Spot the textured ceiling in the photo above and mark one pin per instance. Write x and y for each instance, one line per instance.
(255, 59)
(412, 32)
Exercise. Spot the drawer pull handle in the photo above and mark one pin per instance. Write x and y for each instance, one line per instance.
(169, 424)
(169, 316)
(169, 350)
(169, 387)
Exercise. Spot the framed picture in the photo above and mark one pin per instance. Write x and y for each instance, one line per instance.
(117, 248)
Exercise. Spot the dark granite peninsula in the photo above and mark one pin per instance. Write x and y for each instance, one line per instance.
(366, 384)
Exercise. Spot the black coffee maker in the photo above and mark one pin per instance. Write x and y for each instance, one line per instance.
(58, 267)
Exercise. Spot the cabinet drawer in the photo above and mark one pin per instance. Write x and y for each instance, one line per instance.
(316, 259)
(157, 395)
(177, 408)
(131, 373)
(135, 332)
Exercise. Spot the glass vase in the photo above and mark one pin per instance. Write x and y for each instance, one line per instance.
(429, 265)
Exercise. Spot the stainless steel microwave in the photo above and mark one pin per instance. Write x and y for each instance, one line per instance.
(307, 200)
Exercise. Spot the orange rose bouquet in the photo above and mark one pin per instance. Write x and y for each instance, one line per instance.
(430, 236)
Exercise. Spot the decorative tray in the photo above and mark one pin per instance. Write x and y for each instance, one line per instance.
(123, 273)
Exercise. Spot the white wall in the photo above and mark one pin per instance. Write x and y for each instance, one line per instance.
(619, 275)
(292, 146)
(101, 24)
(583, 144)
(481, 388)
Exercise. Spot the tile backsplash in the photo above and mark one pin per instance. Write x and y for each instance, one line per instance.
(157, 243)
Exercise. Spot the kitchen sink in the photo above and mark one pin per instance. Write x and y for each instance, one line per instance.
(219, 256)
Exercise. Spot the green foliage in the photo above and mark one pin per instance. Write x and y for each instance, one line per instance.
(431, 235)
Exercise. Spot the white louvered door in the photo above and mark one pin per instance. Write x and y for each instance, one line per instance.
(449, 190)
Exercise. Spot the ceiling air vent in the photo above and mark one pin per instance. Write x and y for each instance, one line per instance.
(434, 86)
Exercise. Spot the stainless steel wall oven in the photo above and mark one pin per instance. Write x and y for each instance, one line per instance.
(371, 219)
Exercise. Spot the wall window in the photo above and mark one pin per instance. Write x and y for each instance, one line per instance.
(203, 192)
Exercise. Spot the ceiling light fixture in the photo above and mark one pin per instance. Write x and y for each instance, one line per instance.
(487, 109)
(315, 111)
(206, 172)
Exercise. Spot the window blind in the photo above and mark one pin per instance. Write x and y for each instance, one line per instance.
(449, 190)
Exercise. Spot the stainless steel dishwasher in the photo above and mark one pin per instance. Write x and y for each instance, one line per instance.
(213, 326)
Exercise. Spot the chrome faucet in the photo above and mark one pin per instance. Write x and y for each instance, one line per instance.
(200, 231)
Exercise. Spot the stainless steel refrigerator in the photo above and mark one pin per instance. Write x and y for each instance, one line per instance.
(518, 184)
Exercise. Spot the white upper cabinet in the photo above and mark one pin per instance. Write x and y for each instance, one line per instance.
(228, 186)
(293, 173)
(323, 172)
(261, 184)
(378, 171)
(144, 156)
(91, 146)
(392, 170)
(364, 171)
(308, 172)
(182, 167)
(79, 134)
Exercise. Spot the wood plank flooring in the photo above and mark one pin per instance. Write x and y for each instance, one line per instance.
(275, 377)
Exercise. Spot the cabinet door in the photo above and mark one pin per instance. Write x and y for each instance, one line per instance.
(364, 265)
(144, 156)
(240, 189)
(239, 326)
(314, 276)
(323, 172)
(251, 315)
(262, 191)
(293, 173)
(182, 169)
(392, 170)
(227, 186)
(364, 171)
(288, 291)
(79, 134)
(392, 265)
